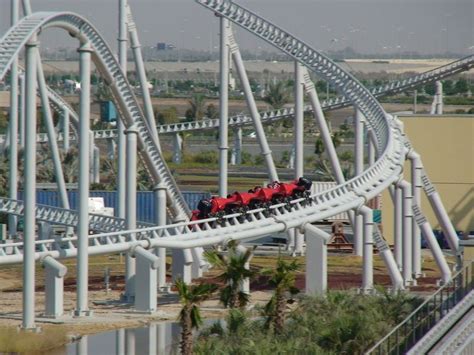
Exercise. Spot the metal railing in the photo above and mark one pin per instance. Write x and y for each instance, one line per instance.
(405, 335)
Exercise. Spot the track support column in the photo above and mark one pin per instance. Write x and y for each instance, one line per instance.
(407, 236)
(131, 209)
(145, 280)
(13, 128)
(358, 169)
(223, 105)
(54, 287)
(177, 148)
(316, 260)
(299, 142)
(65, 127)
(82, 307)
(31, 55)
(181, 266)
(160, 220)
(397, 225)
(237, 151)
(368, 250)
(416, 186)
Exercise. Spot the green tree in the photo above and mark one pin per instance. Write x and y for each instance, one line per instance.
(234, 272)
(277, 95)
(461, 86)
(211, 111)
(282, 278)
(190, 315)
(319, 148)
(196, 109)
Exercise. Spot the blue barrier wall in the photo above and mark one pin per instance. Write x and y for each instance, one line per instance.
(145, 200)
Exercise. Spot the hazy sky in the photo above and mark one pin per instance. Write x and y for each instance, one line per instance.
(368, 26)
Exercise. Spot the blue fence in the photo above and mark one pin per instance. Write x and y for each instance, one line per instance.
(145, 200)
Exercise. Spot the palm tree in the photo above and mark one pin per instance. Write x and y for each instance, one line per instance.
(277, 95)
(190, 316)
(282, 277)
(196, 109)
(235, 271)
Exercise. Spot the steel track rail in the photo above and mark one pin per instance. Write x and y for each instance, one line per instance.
(14, 40)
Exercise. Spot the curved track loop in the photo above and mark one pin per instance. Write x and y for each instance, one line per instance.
(14, 40)
(350, 195)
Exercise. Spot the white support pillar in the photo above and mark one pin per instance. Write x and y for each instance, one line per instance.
(131, 209)
(406, 230)
(439, 98)
(252, 106)
(31, 55)
(316, 259)
(299, 141)
(54, 287)
(441, 214)
(82, 346)
(416, 187)
(122, 56)
(199, 264)
(120, 342)
(96, 165)
(146, 280)
(45, 231)
(430, 238)
(111, 146)
(181, 266)
(82, 307)
(358, 169)
(160, 220)
(245, 286)
(223, 105)
(177, 148)
(291, 161)
(397, 225)
(13, 129)
(368, 250)
(130, 341)
(236, 158)
(21, 123)
(65, 127)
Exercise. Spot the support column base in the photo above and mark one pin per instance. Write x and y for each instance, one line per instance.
(78, 313)
(127, 298)
(165, 289)
(34, 329)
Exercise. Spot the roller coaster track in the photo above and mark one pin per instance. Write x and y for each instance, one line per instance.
(65, 217)
(387, 132)
(268, 117)
(14, 40)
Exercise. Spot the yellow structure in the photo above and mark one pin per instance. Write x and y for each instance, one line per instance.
(446, 146)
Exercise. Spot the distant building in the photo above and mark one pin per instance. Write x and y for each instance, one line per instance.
(162, 46)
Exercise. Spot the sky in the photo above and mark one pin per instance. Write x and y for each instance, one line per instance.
(368, 26)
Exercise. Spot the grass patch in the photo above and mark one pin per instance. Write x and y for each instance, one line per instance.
(14, 341)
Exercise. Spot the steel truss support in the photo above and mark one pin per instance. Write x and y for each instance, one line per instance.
(54, 287)
(223, 105)
(131, 210)
(13, 128)
(31, 57)
(252, 106)
(82, 307)
(316, 259)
